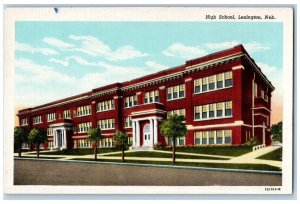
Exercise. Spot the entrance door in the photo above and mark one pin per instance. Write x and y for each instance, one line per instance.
(59, 138)
(147, 136)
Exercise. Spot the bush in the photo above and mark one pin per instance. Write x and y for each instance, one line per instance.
(253, 142)
(159, 146)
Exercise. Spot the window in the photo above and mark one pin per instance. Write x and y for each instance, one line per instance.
(204, 137)
(176, 112)
(228, 79)
(228, 108)
(197, 85)
(67, 114)
(262, 93)
(214, 110)
(128, 122)
(228, 136)
(130, 141)
(176, 92)
(220, 136)
(204, 84)
(84, 127)
(220, 79)
(211, 82)
(151, 97)
(24, 121)
(105, 105)
(198, 138)
(106, 124)
(50, 117)
(181, 140)
(37, 120)
(131, 101)
(211, 137)
(84, 110)
(204, 111)
(49, 131)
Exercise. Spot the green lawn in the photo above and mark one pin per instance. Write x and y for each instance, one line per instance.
(274, 155)
(209, 165)
(84, 151)
(214, 150)
(161, 155)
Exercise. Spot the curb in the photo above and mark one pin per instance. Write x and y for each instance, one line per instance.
(159, 166)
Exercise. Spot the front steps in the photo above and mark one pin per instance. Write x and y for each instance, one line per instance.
(143, 148)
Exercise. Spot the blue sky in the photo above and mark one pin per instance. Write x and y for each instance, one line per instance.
(59, 59)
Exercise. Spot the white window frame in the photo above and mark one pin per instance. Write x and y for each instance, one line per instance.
(176, 89)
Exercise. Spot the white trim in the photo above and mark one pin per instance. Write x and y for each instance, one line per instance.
(261, 115)
(138, 93)
(236, 123)
(224, 117)
(189, 79)
(60, 124)
(256, 108)
(146, 118)
(162, 88)
(217, 89)
(173, 99)
(151, 111)
(238, 67)
(79, 137)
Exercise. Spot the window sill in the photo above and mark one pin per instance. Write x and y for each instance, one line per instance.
(108, 129)
(225, 117)
(37, 123)
(82, 116)
(173, 99)
(212, 90)
(130, 107)
(104, 110)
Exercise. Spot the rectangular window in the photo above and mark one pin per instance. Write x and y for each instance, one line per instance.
(50, 117)
(128, 122)
(198, 138)
(228, 79)
(105, 105)
(262, 94)
(220, 79)
(37, 120)
(146, 97)
(220, 107)
(204, 137)
(228, 108)
(84, 127)
(204, 84)
(106, 124)
(24, 121)
(84, 110)
(49, 131)
(211, 82)
(67, 114)
(151, 97)
(131, 101)
(211, 137)
(204, 111)
(156, 96)
(176, 92)
(135, 100)
(228, 136)
(220, 136)
(181, 140)
(212, 110)
(197, 85)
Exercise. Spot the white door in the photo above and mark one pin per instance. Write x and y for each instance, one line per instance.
(147, 136)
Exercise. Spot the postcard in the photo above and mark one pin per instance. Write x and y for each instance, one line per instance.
(129, 100)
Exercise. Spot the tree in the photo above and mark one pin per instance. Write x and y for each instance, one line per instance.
(94, 136)
(20, 137)
(276, 131)
(37, 137)
(121, 139)
(174, 127)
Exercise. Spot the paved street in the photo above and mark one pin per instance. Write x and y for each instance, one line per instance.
(31, 172)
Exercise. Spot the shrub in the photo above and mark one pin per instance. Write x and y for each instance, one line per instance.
(159, 146)
(253, 142)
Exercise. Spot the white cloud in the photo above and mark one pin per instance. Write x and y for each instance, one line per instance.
(57, 43)
(155, 66)
(95, 47)
(81, 61)
(23, 47)
(251, 47)
(267, 69)
(183, 51)
(221, 45)
(41, 74)
(64, 63)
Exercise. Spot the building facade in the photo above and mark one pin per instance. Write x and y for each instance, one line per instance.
(224, 96)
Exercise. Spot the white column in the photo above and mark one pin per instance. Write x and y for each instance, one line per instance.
(215, 137)
(151, 130)
(155, 131)
(264, 133)
(133, 134)
(138, 144)
(223, 136)
(55, 138)
(65, 139)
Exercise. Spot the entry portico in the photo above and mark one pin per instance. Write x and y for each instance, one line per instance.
(145, 128)
(60, 134)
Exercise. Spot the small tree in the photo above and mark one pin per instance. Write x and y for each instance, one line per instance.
(38, 137)
(94, 136)
(276, 131)
(20, 137)
(173, 128)
(121, 139)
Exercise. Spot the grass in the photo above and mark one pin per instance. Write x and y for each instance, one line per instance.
(85, 151)
(208, 165)
(162, 155)
(214, 150)
(274, 155)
